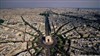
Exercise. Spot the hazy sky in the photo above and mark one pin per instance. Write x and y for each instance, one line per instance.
(49, 3)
